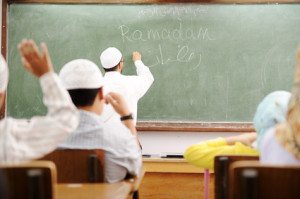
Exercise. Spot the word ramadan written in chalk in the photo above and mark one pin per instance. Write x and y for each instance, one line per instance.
(177, 34)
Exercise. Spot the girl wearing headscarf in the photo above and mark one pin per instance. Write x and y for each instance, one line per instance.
(271, 111)
(281, 144)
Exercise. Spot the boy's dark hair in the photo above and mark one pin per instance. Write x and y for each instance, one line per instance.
(83, 97)
(111, 69)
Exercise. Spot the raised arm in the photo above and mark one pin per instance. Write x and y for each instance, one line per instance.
(145, 77)
(120, 106)
(244, 138)
(29, 139)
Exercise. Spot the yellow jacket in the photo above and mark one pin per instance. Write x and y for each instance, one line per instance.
(203, 153)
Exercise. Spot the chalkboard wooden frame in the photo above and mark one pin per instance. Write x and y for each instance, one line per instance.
(3, 43)
(153, 1)
(195, 126)
(150, 125)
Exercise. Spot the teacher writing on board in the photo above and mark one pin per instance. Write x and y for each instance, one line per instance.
(132, 87)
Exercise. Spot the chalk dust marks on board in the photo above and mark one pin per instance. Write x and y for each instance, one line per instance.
(274, 60)
(222, 83)
(269, 57)
(292, 14)
(227, 94)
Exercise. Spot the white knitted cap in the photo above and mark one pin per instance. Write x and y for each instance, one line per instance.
(3, 74)
(110, 57)
(81, 74)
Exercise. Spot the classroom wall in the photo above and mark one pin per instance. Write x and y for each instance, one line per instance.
(161, 143)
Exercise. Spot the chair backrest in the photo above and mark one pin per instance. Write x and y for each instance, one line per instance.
(221, 170)
(77, 165)
(253, 180)
(31, 180)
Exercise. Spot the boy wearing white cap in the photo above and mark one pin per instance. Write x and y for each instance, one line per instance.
(84, 81)
(131, 87)
(23, 139)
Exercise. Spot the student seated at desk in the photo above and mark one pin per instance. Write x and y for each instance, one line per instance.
(84, 81)
(271, 111)
(203, 153)
(281, 144)
(23, 139)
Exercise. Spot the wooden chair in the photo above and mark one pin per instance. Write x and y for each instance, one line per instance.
(78, 166)
(70, 162)
(253, 180)
(221, 170)
(3, 186)
(32, 180)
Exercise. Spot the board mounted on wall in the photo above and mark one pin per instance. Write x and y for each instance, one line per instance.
(212, 63)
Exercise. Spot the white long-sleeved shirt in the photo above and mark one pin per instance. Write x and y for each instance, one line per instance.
(131, 87)
(122, 154)
(22, 139)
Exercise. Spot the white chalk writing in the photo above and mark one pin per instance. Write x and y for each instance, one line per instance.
(178, 12)
(177, 34)
(183, 55)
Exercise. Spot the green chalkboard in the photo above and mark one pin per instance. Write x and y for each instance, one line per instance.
(210, 62)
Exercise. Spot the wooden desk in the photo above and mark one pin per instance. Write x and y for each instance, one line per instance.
(119, 190)
(173, 179)
(169, 165)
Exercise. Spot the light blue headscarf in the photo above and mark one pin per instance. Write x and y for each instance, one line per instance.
(271, 111)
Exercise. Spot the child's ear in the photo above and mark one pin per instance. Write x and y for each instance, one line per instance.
(100, 92)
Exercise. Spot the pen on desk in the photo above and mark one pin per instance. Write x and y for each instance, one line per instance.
(172, 156)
